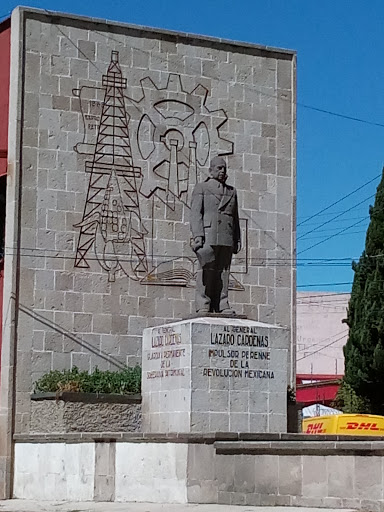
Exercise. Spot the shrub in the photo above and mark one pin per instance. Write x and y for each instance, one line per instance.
(120, 382)
(349, 401)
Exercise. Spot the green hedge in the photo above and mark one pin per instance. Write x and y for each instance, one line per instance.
(120, 382)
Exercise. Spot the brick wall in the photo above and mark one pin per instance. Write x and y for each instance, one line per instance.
(117, 124)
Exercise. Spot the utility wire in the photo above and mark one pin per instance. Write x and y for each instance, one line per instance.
(323, 295)
(332, 236)
(336, 217)
(342, 234)
(340, 220)
(325, 215)
(323, 284)
(321, 348)
(340, 200)
(246, 86)
(319, 342)
(278, 98)
(262, 92)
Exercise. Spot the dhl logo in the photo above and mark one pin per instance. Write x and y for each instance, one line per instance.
(315, 428)
(354, 425)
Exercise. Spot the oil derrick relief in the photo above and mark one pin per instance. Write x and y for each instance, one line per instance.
(111, 225)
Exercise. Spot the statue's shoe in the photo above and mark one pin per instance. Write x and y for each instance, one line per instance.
(228, 312)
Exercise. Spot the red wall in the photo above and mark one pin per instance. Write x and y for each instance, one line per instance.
(5, 56)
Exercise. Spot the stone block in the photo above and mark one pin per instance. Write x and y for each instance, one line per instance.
(284, 74)
(86, 49)
(368, 478)
(161, 478)
(290, 475)
(222, 371)
(266, 475)
(245, 474)
(340, 472)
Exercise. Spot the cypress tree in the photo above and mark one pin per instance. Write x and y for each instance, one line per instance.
(364, 350)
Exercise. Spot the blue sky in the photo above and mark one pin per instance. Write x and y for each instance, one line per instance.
(340, 48)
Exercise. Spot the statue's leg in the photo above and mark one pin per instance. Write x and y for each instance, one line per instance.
(204, 279)
(225, 263)
(202, 300)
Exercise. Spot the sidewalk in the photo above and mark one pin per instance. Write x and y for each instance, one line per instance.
(52, 506)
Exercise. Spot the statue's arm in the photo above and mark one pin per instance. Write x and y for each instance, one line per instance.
(196, 217)
(236, 227)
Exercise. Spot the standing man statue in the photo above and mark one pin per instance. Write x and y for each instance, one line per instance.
(215, 231)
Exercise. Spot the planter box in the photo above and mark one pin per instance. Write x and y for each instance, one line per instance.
(85, 412)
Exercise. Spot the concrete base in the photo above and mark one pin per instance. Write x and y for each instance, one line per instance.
(215, 375)
(236, 469)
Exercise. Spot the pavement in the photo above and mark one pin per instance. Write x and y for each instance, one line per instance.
(52, 506)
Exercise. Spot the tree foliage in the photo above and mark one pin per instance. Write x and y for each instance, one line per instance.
(364, 350)
(348, 401)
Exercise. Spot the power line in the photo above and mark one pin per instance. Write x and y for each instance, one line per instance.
(262, 92)
(336, 217)
(246, 86)
(324, 295)
(342, 234)
(323, 284)
(321, 348)
(332, 236)
(338, 114)
(325, 215)
(340, 220)
(36, 252)
(319, 342)
(340, 200)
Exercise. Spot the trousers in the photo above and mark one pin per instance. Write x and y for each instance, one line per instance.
(212, 279)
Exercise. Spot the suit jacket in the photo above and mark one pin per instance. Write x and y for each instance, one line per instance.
(214, 213)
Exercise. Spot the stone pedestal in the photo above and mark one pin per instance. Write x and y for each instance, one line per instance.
(215, 375)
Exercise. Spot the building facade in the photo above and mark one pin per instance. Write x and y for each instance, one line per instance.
(110, 127)
(321, 333)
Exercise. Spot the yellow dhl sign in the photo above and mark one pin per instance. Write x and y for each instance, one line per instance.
(345, 424)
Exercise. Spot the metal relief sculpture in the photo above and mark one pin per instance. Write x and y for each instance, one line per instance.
(173, 134)
(139, 153)
(111, 222)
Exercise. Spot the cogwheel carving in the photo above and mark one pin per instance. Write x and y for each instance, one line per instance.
(176, 134)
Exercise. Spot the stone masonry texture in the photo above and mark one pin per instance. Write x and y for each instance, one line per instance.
(215, 375)
(62, 417)
(117, 125)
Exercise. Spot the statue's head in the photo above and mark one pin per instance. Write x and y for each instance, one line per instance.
(218, 169)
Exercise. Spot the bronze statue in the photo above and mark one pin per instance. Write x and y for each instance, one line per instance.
(215, 231)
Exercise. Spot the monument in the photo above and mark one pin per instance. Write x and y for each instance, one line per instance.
(214, 372)
(215, 237)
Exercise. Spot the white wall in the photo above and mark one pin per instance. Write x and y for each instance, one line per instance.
(143, 472)
(152, 472)
(321, 334)
(54, 471)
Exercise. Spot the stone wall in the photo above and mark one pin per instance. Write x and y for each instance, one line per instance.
(69, 414)
(115, 124)
(239, 469)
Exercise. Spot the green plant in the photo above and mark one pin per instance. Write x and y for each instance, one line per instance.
(348, 401)
(291, 395)
(120, 382)
(364, 350)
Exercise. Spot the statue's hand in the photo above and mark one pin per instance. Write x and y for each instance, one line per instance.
(197, 243)
(237, 247)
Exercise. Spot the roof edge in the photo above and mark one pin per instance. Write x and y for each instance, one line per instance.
(158, 31)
